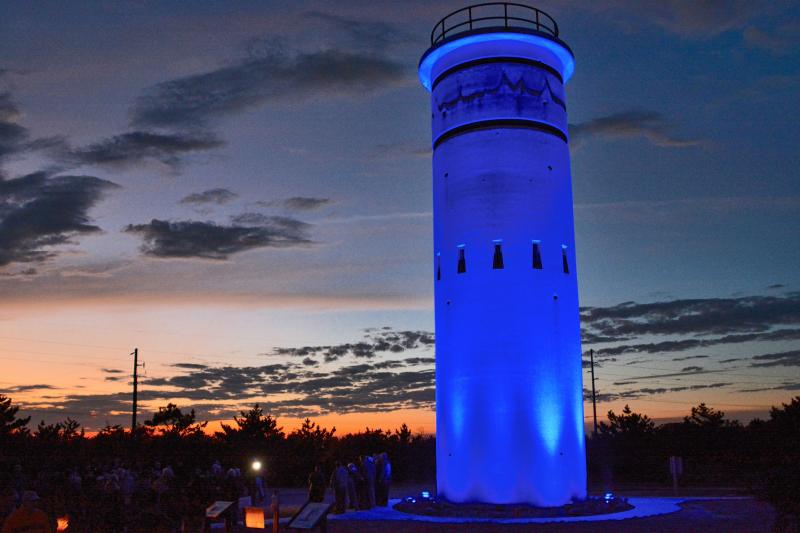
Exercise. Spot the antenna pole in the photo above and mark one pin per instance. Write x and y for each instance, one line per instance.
(594, 402)
(135, 355)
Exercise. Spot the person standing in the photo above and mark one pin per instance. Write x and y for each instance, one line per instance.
(352, 484)
(361, 485)
(384, 479)
(28, 518)
(369, 469)
(339, 479)
(260, 489)
(316, 485)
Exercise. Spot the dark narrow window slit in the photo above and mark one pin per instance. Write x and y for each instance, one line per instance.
(497, 261)
(537, 255)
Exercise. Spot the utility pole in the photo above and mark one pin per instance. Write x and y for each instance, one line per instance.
(136, 366)
(594, 402)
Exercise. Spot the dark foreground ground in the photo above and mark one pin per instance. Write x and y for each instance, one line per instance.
(723, 516)
(739, 515)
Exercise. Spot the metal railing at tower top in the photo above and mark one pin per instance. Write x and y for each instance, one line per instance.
(505, 15)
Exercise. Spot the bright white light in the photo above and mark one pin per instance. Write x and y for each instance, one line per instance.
(256, 465)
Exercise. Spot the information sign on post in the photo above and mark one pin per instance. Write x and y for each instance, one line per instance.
(216, 509)
(310, 516)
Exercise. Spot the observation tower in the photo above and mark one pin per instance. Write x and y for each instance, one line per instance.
(509, 393)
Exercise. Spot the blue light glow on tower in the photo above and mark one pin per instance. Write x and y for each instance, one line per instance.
(509, 393)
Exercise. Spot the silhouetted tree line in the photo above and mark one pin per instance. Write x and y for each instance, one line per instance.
(173, 437)
(763, 455)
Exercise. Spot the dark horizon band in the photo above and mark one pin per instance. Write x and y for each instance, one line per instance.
(500, 124)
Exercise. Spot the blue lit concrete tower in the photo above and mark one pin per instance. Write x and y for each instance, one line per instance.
(509, 402)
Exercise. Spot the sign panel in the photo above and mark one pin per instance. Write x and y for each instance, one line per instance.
(217, 508)
(254, 517)
(309, 515)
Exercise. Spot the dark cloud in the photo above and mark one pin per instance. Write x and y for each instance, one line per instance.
(267, 74)
(686, 344)
(786, 386)
(369, 34)
(690, 357)
(354, 388)
(375, 342)
(695, 317)
(190, 366)
(210, 196)
(27, 388)
(689, 371)
(9, 112)
(780, 40)
(38, 212)
(643, 392)
(310, 362)
(24, 273)
(649, 125)
(13, 137)
(589, 337)
(304, 203)
(397, 364)
(688, 19)
(411, 361)
(134, 147)
(208, 240)
(111, 371)
(790, 358)
(636, 362)
(700, 387)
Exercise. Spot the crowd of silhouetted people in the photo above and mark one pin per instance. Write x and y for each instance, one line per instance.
(119, 498)
(360, 485)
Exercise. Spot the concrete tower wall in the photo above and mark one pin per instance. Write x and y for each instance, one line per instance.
(509, 405)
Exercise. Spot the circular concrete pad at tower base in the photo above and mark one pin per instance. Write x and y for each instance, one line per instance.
(642, 508)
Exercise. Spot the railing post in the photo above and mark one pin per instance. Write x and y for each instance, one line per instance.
(438, 34)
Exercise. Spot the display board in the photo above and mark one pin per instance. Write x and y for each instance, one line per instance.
(217, 508)
(310, 515)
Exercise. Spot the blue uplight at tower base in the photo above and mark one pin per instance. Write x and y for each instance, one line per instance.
(509, 403)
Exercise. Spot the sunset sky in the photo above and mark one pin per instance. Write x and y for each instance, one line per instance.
(242, 190)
